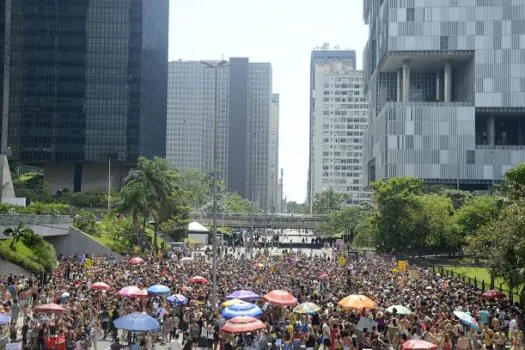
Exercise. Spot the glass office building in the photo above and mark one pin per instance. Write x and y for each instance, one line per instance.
(446, 90)
(88, 85)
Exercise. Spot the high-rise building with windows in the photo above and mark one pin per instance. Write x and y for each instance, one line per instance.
(445, 81)
(244, 120)
(338, 119)
(273, 157)
(88, 85)
(5, 58)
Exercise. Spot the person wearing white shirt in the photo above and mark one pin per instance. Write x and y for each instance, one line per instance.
(175, 343)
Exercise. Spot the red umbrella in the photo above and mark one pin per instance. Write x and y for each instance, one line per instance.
(198, 280)
(136, 261)
(418, 345)
(280, 297)
(493, 294)
(50, 309)
(323, 276)
(242, 324)
(143, 293)
(129, 291)
(100, 286)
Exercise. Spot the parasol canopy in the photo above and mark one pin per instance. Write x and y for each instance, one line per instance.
(357, 302)
(242, 324)
(280, 297)
(50, 309)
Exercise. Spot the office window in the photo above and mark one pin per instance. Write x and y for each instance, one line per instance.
(443, 43)
(471, 157)
(411, 14)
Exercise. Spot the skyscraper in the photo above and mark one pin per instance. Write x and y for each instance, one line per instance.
(273, 157)
(88, 85)
(5, 58)
(244, 104)
(446, 89)
(338, 121)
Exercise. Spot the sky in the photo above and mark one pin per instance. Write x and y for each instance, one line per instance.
(282, 32)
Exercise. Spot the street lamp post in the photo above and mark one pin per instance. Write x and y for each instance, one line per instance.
(216, 67)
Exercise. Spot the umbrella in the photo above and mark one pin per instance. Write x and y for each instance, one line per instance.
(158, 289)
(65, 295)
(280, 297)
(198, 280)
(258, 266)
(357, 302)
(400, 310)
(418, 345)
(141, 293)
(136, 261)
(306, 308)
(242, 324)
(129, 291)
(243, 294)
(186, 259)
(493, 294)
(242, 309)
(323, 276)
(50, 309)
(4, 319)
(137, 322)
(177, 299)
(467, 319)
(232, 302)
(100, 286)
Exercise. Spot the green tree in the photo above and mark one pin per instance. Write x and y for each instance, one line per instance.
(395, 219)
(236, 204)
(328, 201)
(474, 214)
(513, 183)
(435, 227)
(344, 221)
(459, 198)
(157, 180)
(502, 244)
(133, 201)
(16, 233)
(293, 207)
(86, 221)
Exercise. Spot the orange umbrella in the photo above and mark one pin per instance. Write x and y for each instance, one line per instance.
(357, 302)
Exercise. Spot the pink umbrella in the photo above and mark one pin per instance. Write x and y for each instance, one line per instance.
(323, 276)
(129, 291)
(136, 261)
(100, 286)
(50, 309)
(280, 297)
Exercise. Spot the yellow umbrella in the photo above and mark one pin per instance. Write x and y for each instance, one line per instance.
(232, 302)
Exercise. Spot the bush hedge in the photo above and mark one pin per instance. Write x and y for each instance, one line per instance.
(40, 258)
(35, 208)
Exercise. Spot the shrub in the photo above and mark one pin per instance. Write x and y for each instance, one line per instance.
(40, 258)
(86, 221)
(35, 208)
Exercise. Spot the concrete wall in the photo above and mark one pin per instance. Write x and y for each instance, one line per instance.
(7, 268)
(44, 225)
(77, 242)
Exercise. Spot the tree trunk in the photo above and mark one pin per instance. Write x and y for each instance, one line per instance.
(492, 279)
(156, 228)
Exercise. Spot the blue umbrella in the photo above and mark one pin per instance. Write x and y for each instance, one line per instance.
(4, 319)
(137, 322)
(158, 289)
(242, 309)
(466, 319)
(177, 299)
(243, 294)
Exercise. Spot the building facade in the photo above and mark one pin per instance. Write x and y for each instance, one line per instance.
(5, 58)
(445, 81)
(88, 85)
(244, 121)
(273, 157)
(339, 119)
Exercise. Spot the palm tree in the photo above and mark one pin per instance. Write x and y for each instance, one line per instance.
(16, 233)
(156, 181)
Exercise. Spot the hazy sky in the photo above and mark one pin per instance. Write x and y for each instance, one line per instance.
(282, 32)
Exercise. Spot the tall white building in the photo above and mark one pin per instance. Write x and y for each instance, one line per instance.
(338, 121)
(246, 144)
(273, 157)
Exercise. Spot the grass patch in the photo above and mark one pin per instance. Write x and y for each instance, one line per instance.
(37, 259)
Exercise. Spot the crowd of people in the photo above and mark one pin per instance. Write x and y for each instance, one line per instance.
(430, 299)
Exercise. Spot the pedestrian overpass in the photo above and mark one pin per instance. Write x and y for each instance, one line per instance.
(258, 221)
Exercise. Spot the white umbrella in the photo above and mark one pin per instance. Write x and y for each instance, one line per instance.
(400, 309)
(65, 295)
